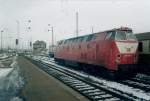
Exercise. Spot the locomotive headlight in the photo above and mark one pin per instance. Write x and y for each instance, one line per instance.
(118, 58)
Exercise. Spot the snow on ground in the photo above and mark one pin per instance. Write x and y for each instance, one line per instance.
(110, 84)
(11, 82)
(5, 71)
(1, 64)
(3, 56)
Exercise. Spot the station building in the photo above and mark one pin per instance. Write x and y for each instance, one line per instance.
(39, 45)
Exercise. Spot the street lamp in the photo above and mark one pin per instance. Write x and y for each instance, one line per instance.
(2, 40)
(29, 29)
(18, 32)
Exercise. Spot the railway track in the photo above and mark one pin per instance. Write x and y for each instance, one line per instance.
(142, 83)
(141, 80)
(91, 89)
(137, 83)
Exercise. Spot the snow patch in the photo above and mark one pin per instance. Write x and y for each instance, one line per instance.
(16, 99)
(5, 71)
(3, 56)
(11, 83)
(1, 64)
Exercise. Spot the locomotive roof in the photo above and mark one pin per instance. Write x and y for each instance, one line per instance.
(143, 36)
(79, 37)
(90, 36)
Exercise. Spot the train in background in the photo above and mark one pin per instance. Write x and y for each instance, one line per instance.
(144, 52)
(113, 51)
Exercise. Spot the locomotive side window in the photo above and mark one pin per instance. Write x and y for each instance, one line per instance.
(80, 39)
(75, 40)
(85, 38)
(140, 48)
(89, 38)
(93, 37)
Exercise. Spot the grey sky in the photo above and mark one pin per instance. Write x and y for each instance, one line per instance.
(101, 14)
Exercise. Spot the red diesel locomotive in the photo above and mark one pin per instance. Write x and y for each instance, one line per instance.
(113, 50)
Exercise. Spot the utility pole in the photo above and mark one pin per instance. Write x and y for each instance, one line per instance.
(52, 31)
(77, 29)
(2, 40)
(52, 36)
(30, 39)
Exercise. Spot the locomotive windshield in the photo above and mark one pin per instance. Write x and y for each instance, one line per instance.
(130, 36)
(122, 35)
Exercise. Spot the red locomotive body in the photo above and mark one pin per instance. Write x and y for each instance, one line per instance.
(109, 49)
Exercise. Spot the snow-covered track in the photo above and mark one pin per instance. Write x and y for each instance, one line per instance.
(142, 82)
(94, 91)
(137, 84)
(5, 59)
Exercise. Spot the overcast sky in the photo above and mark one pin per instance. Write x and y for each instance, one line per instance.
(101, 14)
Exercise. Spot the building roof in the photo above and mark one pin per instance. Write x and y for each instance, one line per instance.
(143, 36)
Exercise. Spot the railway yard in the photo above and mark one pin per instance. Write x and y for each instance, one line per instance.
(40, 78)
(74, 50)
(79, 70)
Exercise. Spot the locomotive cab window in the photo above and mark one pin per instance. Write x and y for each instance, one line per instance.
(131, 36)
(108, 35)
(120, 35)
(111, 35)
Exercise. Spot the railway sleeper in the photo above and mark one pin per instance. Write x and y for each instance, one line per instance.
(111, 99)
(96, 93)
(83, 89)
(102, 97)
(92, 91)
